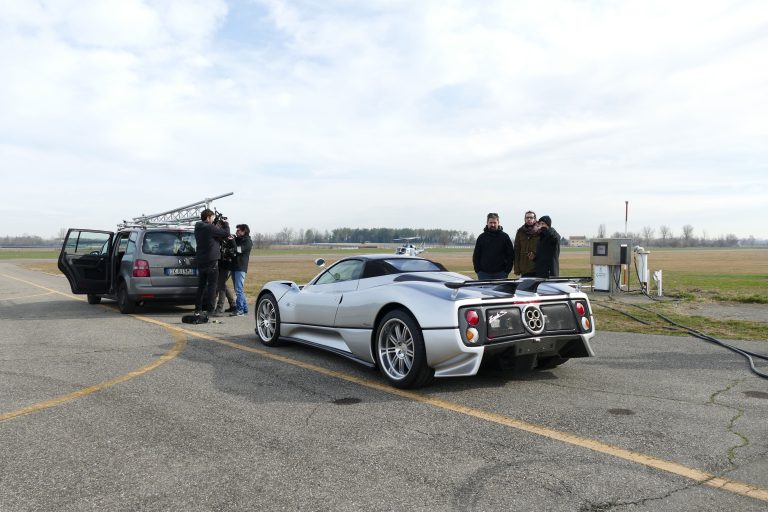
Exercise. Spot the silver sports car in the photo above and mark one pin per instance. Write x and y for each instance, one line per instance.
(413, 319)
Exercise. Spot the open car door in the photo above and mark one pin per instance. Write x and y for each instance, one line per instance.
(84, 259)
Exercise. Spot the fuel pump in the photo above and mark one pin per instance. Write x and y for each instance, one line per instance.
(610, 257)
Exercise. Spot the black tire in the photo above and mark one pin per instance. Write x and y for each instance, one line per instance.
(400, 352)
(94, 299)
(547, 363)
(267, 320)
(124, 302)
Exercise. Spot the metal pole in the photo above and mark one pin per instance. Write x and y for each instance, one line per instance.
(626, 216)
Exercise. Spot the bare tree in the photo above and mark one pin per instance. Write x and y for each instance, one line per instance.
(285, 235)
(601, 231)
(261, 240)
(665, 233)
(687, 234)
(648, 234)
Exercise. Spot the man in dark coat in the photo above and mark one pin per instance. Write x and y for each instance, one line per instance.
(207, 257)
(548, 249)
(494, 253)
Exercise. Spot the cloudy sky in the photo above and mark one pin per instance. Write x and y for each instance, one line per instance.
(400, 113)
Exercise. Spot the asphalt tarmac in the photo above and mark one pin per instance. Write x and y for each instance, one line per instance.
(103, 411)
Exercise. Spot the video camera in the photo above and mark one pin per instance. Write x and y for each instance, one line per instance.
(219, 218)
(228, 246)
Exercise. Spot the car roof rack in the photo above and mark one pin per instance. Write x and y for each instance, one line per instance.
(181, 216)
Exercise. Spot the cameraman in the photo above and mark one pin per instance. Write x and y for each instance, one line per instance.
(207, 257)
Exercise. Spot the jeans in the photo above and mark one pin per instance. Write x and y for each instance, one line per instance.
(238, 279)
(482, 276)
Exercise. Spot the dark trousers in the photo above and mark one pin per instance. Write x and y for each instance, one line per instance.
(491, 275)
(207, 276)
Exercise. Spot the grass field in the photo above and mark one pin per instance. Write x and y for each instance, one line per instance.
(731, 276)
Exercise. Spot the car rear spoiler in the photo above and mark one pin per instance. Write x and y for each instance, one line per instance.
(527, 284)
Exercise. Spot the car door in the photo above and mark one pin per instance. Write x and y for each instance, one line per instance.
(84, 259)
(318, 302)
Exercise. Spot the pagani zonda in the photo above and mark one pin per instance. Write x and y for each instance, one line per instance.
(413, 319)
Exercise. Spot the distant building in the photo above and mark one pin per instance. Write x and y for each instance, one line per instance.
(578, 241)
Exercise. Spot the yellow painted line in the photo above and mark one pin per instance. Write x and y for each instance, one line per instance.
(49, 290)
(22, 297)
(696, 475)
(702, 477)
(178, 347)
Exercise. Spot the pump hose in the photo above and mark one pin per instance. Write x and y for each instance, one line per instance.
(696, 334)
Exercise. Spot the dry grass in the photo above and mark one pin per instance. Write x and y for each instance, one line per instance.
(698, 275)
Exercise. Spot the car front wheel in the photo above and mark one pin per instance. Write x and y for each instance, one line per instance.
(268, 320)
(400, 351)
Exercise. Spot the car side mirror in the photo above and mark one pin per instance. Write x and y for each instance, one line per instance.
(320, 262)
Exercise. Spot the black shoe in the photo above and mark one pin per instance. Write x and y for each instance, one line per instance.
(216, 314)
(230, 309)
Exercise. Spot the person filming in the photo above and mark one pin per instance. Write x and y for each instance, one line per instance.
(208, 253)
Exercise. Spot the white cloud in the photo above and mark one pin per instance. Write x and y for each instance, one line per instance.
(386, 113)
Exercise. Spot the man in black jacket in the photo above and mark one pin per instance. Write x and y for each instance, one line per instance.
(239, 267)
(207, 256)
(548, 249)
(494, 253)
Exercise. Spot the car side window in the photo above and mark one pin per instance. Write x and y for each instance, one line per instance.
(343, 271)
(131, 248)
(169, 243)
(122, 245)
(82, 242)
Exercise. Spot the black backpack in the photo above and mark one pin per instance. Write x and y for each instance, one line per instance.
(202, 318)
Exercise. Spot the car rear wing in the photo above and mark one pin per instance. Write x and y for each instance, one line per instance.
(527, 284)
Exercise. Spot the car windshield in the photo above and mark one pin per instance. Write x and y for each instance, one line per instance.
(169, 243)
(415, 265)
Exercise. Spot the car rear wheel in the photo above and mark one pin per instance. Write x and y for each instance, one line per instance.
(400, 351)
(268, 320)
(124, 302)
(94, 299)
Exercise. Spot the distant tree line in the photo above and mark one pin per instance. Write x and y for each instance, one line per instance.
(28, 241)
(686, 238)
(291, 236)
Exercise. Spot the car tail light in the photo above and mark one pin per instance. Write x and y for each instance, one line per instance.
(472, 335)
(472, 317)
(141, 268)
(581, 310)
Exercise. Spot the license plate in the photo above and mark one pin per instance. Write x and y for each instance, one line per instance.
(181, 271)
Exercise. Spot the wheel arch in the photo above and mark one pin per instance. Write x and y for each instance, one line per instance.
(386, 309)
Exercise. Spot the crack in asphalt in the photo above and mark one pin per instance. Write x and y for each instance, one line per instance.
(731, 452)
(616, 503)
(617, 393)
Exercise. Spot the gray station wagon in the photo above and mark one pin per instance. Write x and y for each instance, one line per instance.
(133, 266)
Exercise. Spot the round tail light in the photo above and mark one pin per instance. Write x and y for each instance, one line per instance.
(472, 317)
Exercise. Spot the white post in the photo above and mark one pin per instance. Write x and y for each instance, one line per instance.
(657, 278)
